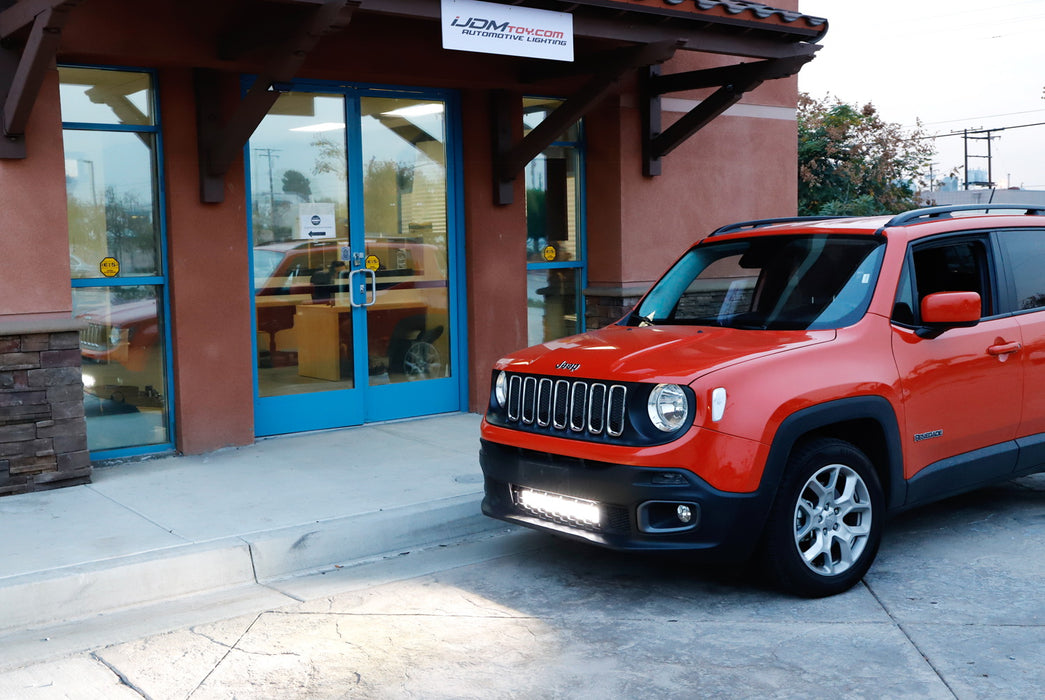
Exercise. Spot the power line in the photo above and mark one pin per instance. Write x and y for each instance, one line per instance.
(986, 116)
(964, 132)
(988, 131)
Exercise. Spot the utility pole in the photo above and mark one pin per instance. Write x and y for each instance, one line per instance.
(270, 153)
(966, 137)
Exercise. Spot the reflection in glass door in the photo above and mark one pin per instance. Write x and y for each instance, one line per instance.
(351, 239)
(404, 202)
(299, 213)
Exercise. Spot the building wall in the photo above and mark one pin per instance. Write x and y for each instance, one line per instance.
(43, 434)
(34, 238)
(209, 279)
(741, 166)
(495, 251)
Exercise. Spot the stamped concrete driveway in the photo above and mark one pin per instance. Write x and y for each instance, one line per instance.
(953, 607)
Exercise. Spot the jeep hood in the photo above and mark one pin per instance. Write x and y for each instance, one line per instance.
(675, 354)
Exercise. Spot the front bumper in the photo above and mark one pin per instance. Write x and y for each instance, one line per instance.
(636, 503)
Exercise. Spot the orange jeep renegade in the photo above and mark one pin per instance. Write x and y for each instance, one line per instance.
(782, 388)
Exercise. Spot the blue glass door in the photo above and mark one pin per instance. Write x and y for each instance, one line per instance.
(353, 235)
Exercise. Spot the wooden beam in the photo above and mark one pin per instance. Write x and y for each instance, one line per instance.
(23, 72)
(733, 82)
(22, 13)
(207, 86)
(220, 146)
(503, 105)
(726, 75)
(512, 161)
(595, 63)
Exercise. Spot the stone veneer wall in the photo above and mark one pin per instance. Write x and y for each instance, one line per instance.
(606, 305)
(43, 432)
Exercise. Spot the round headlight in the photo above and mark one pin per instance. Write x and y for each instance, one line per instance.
(115, 336)
(500, 389)
(668, 407)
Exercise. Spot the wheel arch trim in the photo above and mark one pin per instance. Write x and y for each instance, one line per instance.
(822, 416)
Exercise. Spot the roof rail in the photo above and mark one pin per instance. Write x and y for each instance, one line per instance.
(916, 216)
(759, 223)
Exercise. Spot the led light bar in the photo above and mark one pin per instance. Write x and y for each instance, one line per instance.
(565, 507)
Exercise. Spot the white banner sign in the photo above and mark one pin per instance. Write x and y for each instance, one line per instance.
(316, 220)
(486, 27)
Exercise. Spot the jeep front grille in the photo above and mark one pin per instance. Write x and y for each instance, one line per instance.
(574, 407)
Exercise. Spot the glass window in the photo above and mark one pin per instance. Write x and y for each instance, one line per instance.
(551, 300)
(112, 202)
(298, 167)
(113, 192)
(767, 283)
(1026, 259)
(123, 365)
(555, 254)
(958, 266)
(94, 96)
(405, 213)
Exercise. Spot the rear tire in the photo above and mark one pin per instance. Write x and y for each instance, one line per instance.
(825, 526)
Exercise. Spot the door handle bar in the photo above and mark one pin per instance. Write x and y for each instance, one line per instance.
(1004, 349)
(369, 297)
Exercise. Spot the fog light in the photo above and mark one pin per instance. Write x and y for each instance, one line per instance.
(659, 517)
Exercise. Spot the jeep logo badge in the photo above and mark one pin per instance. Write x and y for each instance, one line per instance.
(568, 366)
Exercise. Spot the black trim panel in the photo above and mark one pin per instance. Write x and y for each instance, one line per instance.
(1032, 454)
(962, 473)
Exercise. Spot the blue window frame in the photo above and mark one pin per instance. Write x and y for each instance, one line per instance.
(117, 243)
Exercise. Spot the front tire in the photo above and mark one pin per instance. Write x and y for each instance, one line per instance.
(825, 526)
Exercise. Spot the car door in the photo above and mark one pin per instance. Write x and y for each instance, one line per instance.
(1023, 253)
(962, 389)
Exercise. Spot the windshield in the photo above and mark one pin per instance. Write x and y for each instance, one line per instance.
(777, 283)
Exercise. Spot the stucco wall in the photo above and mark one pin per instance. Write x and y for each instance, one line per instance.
(34, 228)
(740, 166)
(209, 285)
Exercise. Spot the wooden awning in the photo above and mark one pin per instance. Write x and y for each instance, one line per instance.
(645, 33)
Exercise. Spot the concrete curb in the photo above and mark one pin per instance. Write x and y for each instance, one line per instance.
(296, 550)
(82, 591)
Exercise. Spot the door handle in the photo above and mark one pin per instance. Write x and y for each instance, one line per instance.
(1004, 349)
(369, 297)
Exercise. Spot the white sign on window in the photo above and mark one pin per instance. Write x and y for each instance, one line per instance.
(316, 220)
(484, 27)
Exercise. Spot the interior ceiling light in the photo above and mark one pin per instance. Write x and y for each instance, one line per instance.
(323, 126)
(418, 110)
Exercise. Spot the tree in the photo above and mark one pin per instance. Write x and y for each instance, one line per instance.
(851, 161)
(296, 183)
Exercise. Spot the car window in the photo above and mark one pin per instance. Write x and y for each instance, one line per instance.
(1024, 251)
(767, 282)
(953, 266)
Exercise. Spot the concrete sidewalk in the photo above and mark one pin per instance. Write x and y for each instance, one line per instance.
(160, 529)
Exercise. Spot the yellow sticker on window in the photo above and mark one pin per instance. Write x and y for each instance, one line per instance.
(110, 267)
(372, 263)
(549, 253)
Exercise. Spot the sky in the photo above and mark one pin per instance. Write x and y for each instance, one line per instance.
(953, 65)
